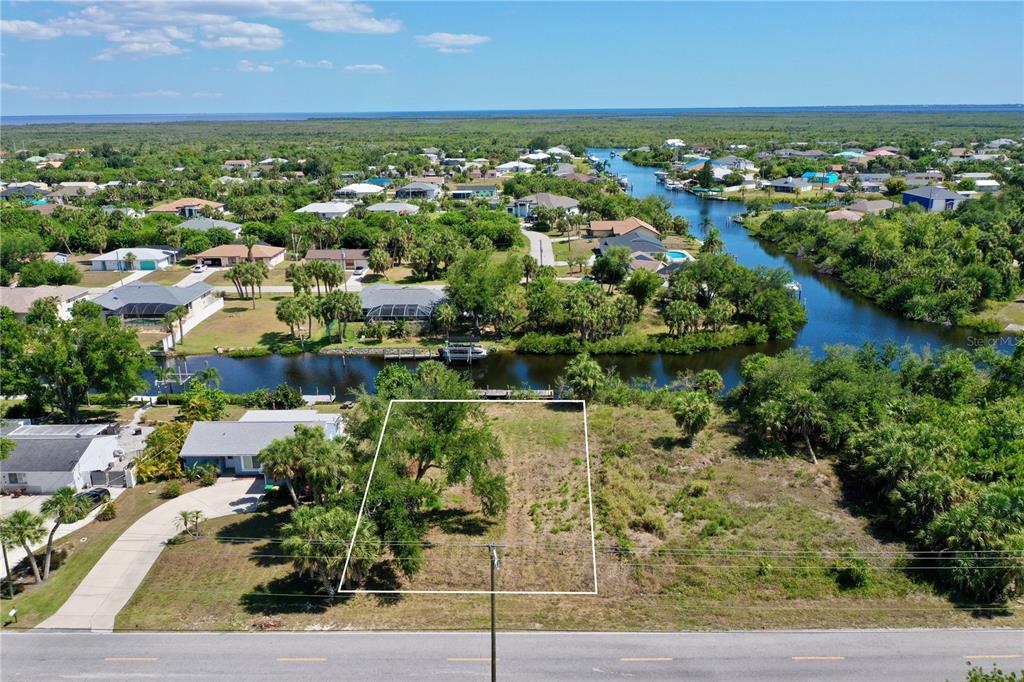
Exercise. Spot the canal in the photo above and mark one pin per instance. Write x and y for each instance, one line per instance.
(835, 315)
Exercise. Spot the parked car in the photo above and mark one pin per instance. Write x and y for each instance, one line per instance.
(199, 267)
(359, 271)
(94, 496)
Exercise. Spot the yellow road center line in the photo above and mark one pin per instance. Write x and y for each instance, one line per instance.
(644, 660)
(130, 658)
(312, 659)
(470, 660)
(819, 658)
(995, 656)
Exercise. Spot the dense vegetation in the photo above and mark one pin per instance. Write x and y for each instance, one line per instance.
(937, 267)
(935, 446)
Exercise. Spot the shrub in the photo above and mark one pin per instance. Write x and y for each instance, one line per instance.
(171, 490)
(850, 572)
(652, 522)
(697, 488)
(108, 513)
(208, 477)
(290, 349)
(253, 352)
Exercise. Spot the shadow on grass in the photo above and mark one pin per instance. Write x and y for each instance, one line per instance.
(458, 522)
(293, 593)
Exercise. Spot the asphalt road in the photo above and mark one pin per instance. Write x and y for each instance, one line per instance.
(904, 655)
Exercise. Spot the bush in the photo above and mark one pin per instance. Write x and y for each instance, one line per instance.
(253, 352)
(171, 490)
(290, 349)
(208, 477)
(108, 513)
(697, 488)
(850, 572)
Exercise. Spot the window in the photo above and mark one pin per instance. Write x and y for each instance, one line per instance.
(249, 462)
(15, 478)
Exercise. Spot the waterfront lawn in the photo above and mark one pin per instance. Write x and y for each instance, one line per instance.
(717, 539)
(166, 413)
(1004, 312)
(83, 548)
(576, 248)
(239, 325)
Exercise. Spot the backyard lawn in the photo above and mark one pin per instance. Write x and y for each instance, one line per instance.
(702, 537)
(239, 325)
(101, 278)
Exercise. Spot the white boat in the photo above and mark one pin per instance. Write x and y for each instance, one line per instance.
(661, 175)
(623, 181)
(463, 353)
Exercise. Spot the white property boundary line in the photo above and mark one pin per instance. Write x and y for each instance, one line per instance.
(369, 480)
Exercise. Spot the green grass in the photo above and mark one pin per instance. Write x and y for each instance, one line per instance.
(36, 603)
(101, 278)
(717, 540)
(239, 325)
(168, 277)
(276, 278)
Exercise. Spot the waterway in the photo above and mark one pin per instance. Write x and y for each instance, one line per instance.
(836, 315)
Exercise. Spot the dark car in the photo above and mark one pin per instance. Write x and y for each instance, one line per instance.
(94, 496)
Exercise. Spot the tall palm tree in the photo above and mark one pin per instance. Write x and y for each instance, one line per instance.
(180, 313)
(208, 375)
(25, 528)
(164, 376)
(130, 259)
(64, 507)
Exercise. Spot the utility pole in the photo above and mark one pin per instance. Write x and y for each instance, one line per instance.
(495, 565)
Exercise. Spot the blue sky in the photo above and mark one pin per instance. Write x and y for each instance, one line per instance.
(176, 56)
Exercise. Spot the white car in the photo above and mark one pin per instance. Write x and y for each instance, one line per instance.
(199, 267)
(359, 271)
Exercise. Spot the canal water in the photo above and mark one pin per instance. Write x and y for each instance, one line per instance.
(835, 315)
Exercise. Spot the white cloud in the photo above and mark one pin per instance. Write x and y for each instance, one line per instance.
(15, 88)
(64, 94)
(365, 68)
(31, 30)
(452, 43)
(207, 94)
(321, 64)
(159, 93)
(252, 67)
(160, 27)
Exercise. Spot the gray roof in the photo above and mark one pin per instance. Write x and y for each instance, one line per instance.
(932, 192)
(550, 200)
(203, 224)
(152, 294)
(46, 454)
(394, 207)
(20, 299)
(634, 243)
(228, 439)
(384, 294)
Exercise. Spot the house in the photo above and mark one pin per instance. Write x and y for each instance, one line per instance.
(56, 257)
(645, 261)
(535, 156)
(126, 210)
(388, 302)
(234, 446)
(348, 258)
(844, 214)
(558, 151)
(24, 190)
(635, 243)
(230, 180)
(600, 229)
(514, 167)
(1000, 143)
(46, 458)
(358, 190)
(327, 210)
(934, 199)
(20, 299)
(873, 206)
(72, 190)
(972, 176)
(524, 207)
(135, 258)
(465, 192)
(872, 182)
(790, 185)
(272, 161)
(674, 143)
(203, 224)
(925, 178)
(236, 164)
(986, 185)
(187, 207)
(227, 255)
(736, 163)
(397, 207)
(419, 190)
(153, 301)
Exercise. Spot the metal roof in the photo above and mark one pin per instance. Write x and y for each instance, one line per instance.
(230, 439)
(47, 454)
(153, 295)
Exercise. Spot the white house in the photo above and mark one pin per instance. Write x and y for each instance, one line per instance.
(20, 299)
(535, 156)
(358, 190)
(524, 207)
(135, 258)
(46, 458)
(327, 210)
(986, 185)
(675, 143)
(234, 446)
(513, 167)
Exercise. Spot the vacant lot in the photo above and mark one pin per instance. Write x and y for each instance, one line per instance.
(168, 277)
(701, 537)
(277, 273)
(100, 278)
(239, 325)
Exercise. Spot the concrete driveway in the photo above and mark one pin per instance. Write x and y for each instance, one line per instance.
(113, 580)
(196, 277)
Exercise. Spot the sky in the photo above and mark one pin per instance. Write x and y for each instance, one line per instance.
(220, 56)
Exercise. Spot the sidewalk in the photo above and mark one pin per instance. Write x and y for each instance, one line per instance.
(113, 580)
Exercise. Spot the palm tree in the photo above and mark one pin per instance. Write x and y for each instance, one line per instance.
(169, 319)
(64, 507)
(130, 259)
(805, 413)
(189, 520)
(249, 241)
(445, 315)
(25, 528)
(164, 376)
(280, 462)
(180, 313)
(692, 412)
(208, 376)
(317, 539)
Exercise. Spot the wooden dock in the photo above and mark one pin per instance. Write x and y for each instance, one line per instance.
(409, 354)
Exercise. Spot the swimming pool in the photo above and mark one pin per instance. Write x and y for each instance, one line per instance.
(677, 255)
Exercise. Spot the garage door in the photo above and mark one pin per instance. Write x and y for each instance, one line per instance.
(147, 265)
